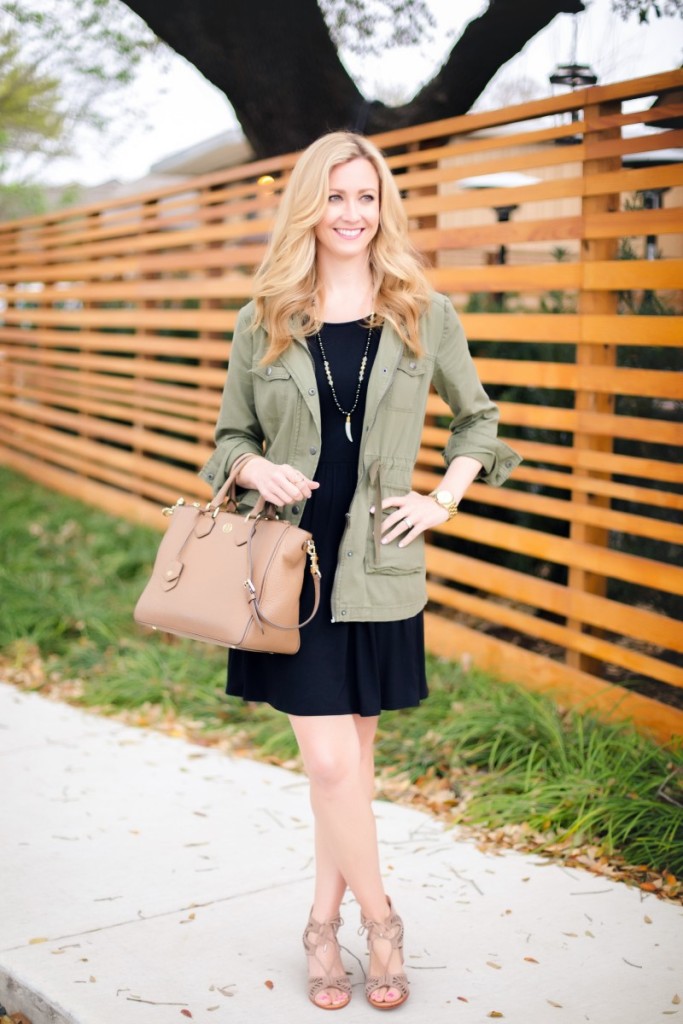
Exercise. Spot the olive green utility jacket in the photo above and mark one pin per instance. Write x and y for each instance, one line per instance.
(273, 410)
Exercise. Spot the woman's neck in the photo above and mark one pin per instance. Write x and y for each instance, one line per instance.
(346, 290)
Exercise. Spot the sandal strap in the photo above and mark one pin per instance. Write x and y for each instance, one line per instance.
(326, 930)
(390, 930)
(397, 981)
(327, 933)
(339, 981)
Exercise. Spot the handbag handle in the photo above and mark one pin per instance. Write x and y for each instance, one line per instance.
(251, 589)
(229, 491)
(229, 488)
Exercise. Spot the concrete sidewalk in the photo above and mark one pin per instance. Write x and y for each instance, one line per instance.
(149, 881)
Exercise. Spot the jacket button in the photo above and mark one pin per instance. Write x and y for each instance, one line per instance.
(343, 611)
(349, 554)
(311, 391)
(295, 509)
(210, 476)
(508, 464)
(412, 365)
(269, 371)
(312, 450)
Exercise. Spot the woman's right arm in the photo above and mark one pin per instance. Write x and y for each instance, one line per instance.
(239, 432)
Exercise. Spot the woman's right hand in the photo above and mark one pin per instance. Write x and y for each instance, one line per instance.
(279, 484)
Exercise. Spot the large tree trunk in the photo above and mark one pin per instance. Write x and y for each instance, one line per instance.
(278, 66)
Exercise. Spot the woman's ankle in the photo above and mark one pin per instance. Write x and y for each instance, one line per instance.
(377, 911)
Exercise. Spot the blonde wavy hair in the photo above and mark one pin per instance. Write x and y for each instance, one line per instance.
(287, 289)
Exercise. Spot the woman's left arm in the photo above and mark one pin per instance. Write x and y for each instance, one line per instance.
(473, 449)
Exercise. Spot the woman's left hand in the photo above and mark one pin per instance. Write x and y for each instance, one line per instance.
(412, 514)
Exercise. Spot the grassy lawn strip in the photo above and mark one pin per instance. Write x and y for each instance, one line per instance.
(509, 764)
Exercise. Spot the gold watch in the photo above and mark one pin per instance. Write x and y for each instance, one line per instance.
(446, 500)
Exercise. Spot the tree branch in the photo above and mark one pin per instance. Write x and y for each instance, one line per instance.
(279, 68)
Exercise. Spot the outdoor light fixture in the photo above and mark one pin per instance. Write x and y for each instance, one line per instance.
(572, 76)
(504, 179)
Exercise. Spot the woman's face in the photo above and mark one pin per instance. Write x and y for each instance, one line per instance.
(351, 217)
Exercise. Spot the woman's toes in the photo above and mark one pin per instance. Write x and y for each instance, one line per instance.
(385, 995)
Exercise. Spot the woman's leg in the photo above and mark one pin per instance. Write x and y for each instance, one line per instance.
(330, 884)
(337, 755)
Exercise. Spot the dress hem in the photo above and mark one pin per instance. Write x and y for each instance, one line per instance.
(323, 714)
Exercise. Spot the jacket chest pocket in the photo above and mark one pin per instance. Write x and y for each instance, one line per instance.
(409, 386)
(275, 396)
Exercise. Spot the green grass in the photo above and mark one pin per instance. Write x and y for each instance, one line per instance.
(69, 579)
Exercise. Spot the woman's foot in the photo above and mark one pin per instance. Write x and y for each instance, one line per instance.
(386, 986)
(328, 986)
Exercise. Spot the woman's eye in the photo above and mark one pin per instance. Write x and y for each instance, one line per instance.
(368, 198)
(334, 197)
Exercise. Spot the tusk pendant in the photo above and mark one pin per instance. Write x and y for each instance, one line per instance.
(347, 428)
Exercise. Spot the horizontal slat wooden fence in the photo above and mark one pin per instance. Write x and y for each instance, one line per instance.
(115, 328)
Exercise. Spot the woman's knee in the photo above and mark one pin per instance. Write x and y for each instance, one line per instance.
(328, 770)
(331, 753)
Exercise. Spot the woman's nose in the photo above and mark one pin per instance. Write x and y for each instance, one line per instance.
(351, 210)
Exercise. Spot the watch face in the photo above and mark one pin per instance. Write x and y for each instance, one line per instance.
(444, 497)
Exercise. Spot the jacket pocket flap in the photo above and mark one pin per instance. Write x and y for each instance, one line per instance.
(413, 366)
(272, 372)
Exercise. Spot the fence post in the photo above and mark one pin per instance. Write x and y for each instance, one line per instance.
(593, 301)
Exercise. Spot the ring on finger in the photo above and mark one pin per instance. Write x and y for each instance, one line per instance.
(408, 523)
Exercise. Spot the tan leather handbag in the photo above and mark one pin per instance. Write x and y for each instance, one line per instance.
(228, 579)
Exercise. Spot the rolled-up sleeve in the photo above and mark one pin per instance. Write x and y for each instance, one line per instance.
(474, 426)
(238, 430)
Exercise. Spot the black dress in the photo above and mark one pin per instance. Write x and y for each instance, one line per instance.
(341, 667)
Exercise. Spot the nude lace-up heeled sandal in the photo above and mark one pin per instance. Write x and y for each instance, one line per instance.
(391, 930)
(318, 935)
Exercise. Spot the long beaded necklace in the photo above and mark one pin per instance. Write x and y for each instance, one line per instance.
(361, 374)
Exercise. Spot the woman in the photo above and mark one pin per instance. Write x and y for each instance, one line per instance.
(328, 380)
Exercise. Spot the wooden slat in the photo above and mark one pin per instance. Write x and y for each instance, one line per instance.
(569, 377)
(528, 590)
(162, 319)
(645, 572)
(573, 327)
(502, 614)
(565, 510)
(515, 413)
(226, 286)
(188, 261)
(142, 368)
(92, 341)
(569, 686)
(590, 483)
